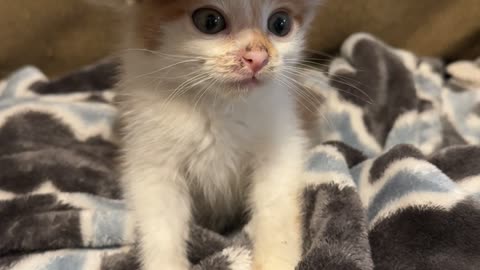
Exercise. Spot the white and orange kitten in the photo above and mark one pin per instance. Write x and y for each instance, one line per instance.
(210, 125)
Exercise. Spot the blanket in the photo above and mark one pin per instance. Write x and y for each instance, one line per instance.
(393, 181)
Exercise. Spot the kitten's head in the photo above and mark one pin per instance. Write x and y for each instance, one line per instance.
(233, 45)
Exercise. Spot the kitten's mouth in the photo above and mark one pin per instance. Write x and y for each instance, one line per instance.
(248, 83)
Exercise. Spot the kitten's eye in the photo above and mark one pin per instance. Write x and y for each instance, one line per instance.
(209, 21)
(280, 23)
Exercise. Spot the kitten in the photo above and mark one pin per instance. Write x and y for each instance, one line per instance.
(210, 125)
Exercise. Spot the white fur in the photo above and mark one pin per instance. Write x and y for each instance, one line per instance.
(470, 184)
(207, 155)
(239, 258)
(5, 195)
(87, 228)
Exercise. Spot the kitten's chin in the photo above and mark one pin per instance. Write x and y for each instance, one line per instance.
(235, 88)
(250, 83)
(246, 85)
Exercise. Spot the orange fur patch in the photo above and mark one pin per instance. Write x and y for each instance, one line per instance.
(261, 42)
(151, 14)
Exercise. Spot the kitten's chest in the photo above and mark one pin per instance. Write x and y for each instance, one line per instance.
(224, 152)
(236, 138)
(229, 143)
(219, 173)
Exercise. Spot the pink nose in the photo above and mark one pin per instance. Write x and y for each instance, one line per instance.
(255, 60)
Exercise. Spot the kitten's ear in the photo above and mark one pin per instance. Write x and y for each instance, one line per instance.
(311, 11)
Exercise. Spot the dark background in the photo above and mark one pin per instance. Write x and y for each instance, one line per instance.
(61, 35)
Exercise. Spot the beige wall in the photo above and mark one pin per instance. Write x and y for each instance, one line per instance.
(447, 28)
(56, 35)
(60, 35)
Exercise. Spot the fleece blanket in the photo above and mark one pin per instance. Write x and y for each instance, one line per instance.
(393, 181)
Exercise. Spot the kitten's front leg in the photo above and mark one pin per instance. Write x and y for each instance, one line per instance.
(276, 216)
(161, 205)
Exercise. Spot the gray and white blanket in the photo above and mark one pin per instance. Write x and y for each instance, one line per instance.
(394, 182)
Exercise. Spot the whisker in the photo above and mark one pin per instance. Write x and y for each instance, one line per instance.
(323, 54)
(290, 85)
(315, 62)
(340, 78)
(203, 93)
(307, 63)
(366, 97)
(185, 87)
(318, 111)
(159, 70)
(165, 55)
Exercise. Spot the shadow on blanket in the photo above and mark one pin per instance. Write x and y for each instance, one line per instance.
(394, 182)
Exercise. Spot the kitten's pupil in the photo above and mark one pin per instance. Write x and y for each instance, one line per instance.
(280, 24)
(212, 22)
(209, 21)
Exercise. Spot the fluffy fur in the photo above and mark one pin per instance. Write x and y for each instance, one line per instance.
(198, 143)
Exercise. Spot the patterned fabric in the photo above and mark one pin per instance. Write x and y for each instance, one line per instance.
(394, 182)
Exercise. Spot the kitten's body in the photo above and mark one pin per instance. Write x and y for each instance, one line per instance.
(217, 145)
(216, 151)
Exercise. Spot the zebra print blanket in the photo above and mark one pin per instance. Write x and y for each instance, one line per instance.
(394, 182)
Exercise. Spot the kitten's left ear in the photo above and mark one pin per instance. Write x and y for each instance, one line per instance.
(312, 6)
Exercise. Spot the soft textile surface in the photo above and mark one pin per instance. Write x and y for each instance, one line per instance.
(394, 182)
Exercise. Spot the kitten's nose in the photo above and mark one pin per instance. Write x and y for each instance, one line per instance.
(255, 60)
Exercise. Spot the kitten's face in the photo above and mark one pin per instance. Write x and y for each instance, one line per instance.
(233, 45)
